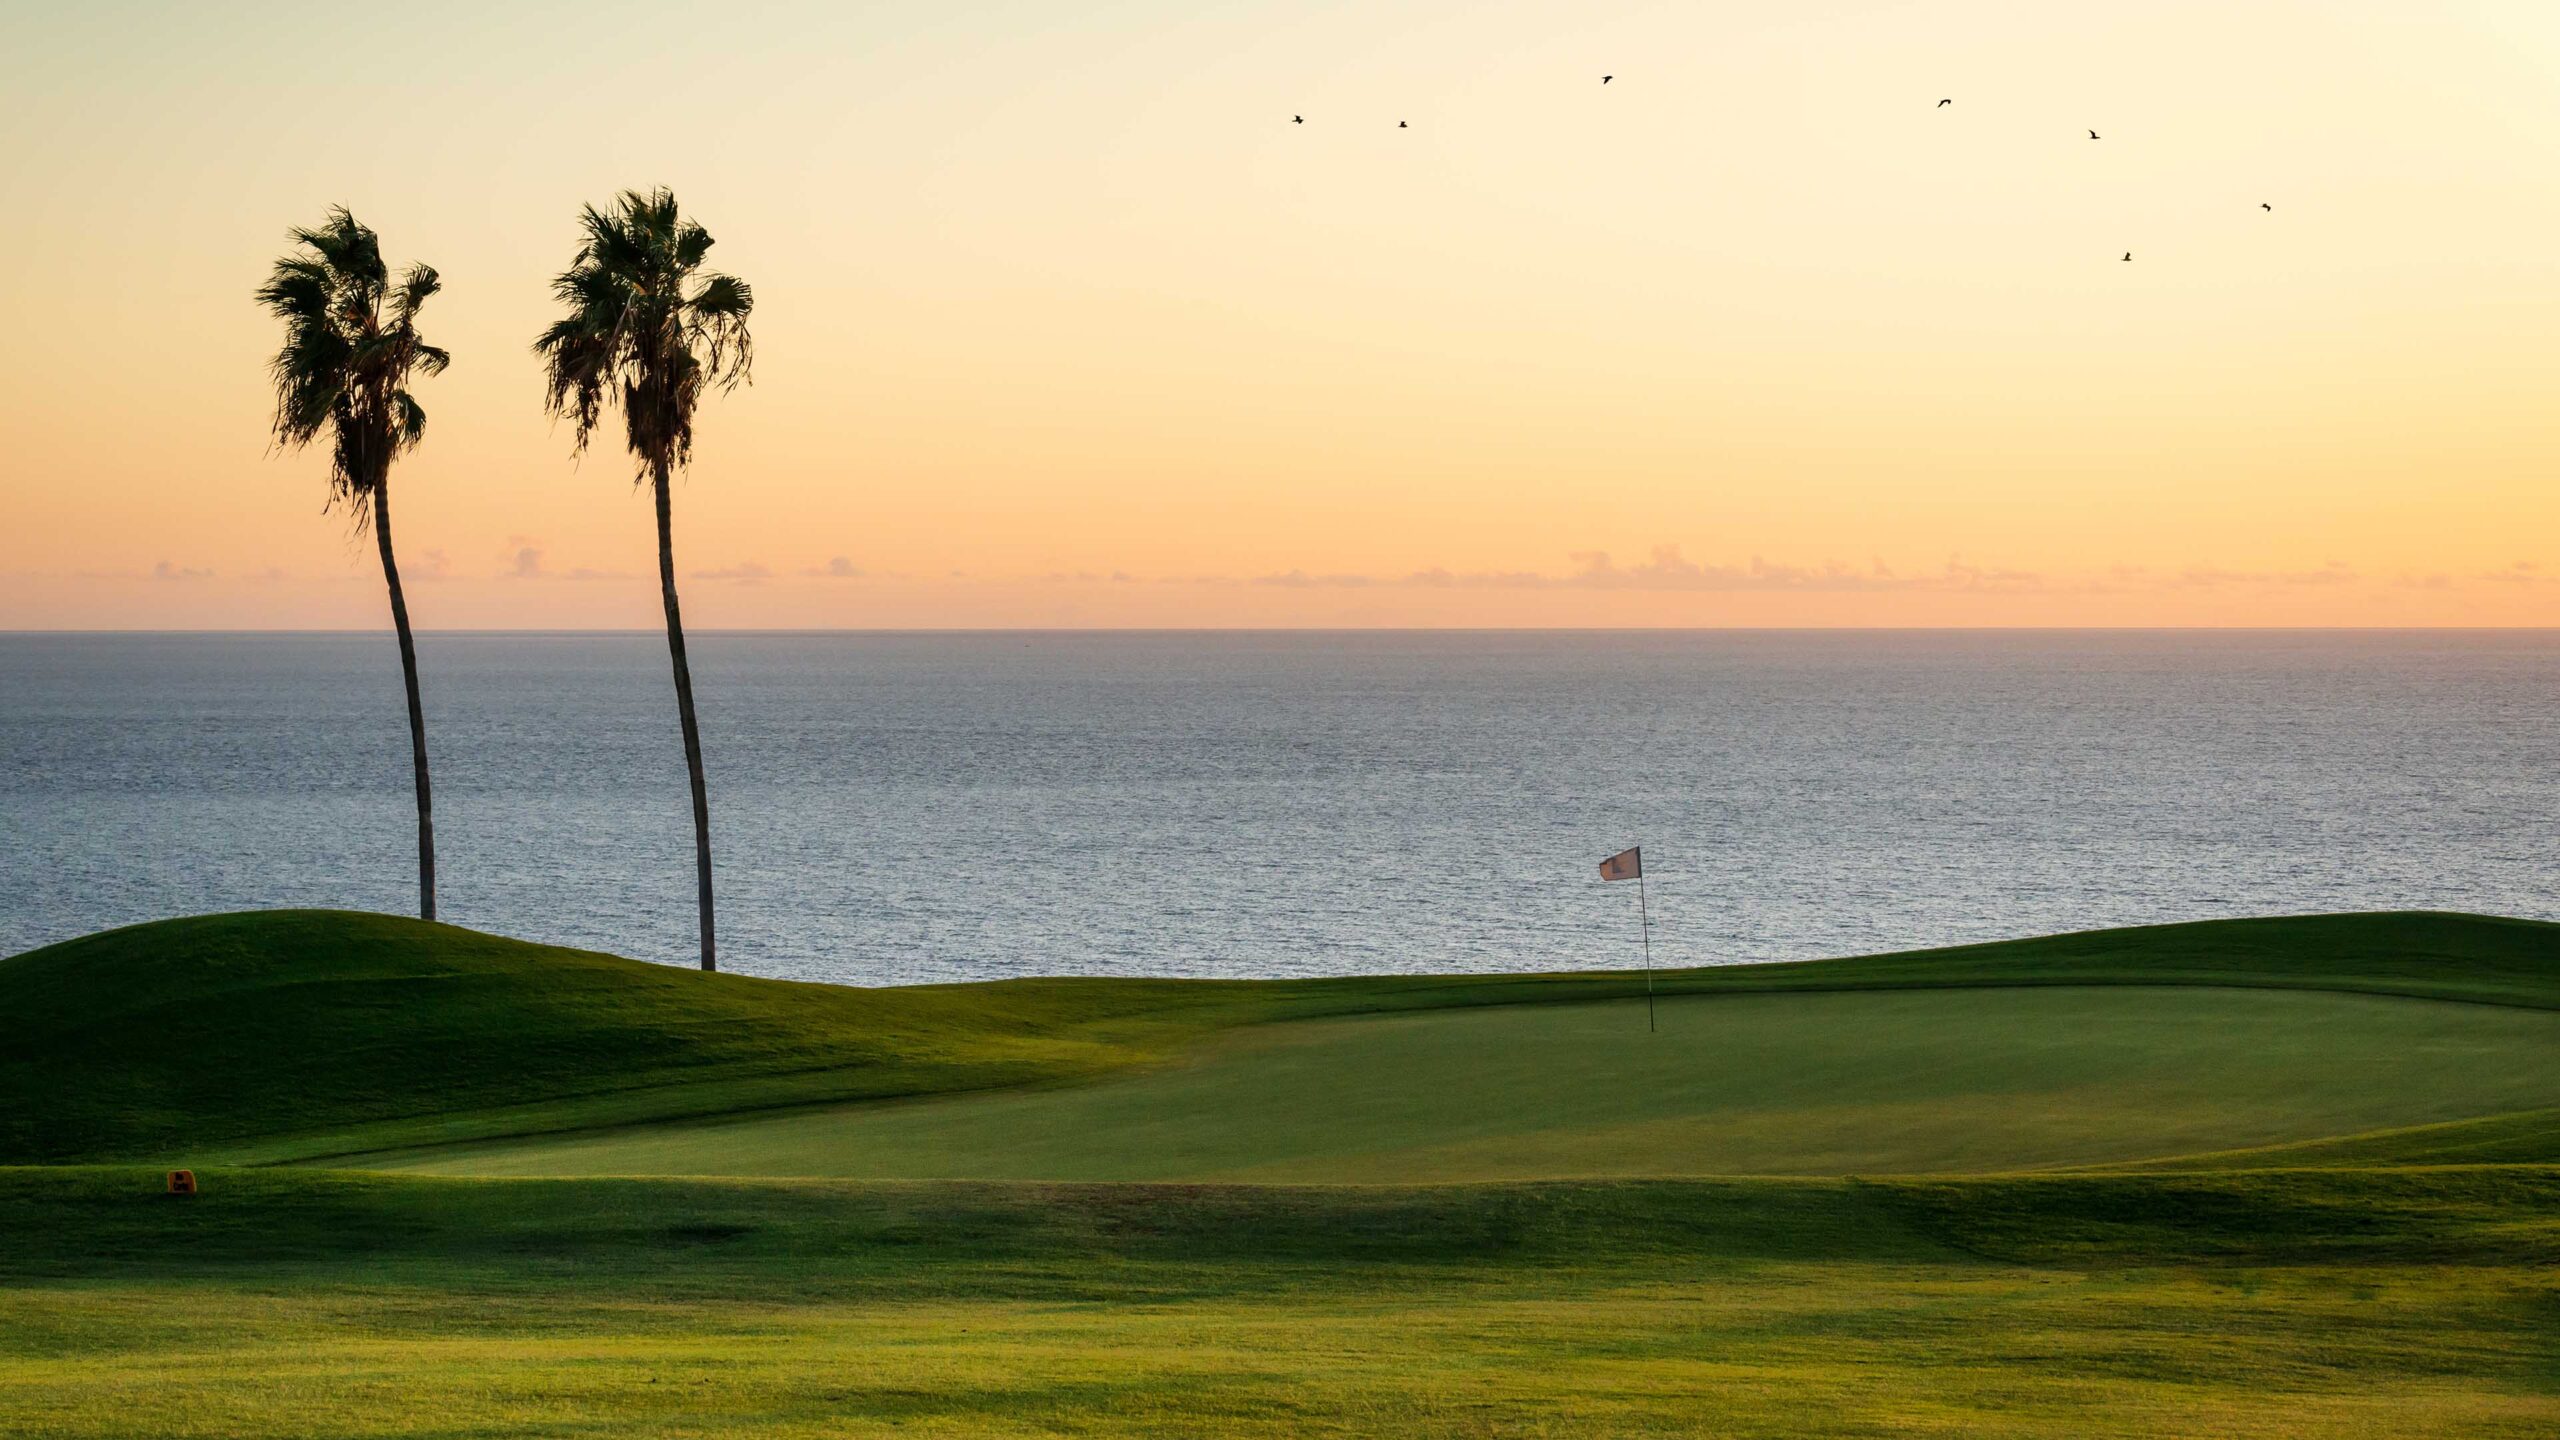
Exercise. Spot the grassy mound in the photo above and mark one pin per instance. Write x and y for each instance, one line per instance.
(197, 1032)
(299, 1033)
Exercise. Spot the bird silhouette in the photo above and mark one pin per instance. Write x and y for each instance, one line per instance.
(1400, 125)
(2128, 254)
(2264, 206)
(1297, 119)
(1943, 104)
(2093, 134)
(1605, 79)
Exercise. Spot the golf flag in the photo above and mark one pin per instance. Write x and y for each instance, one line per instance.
(1628, 864)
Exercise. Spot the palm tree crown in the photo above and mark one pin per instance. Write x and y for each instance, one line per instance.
(350, 347)
(648, 328)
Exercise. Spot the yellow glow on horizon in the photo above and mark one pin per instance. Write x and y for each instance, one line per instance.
(1048, 300)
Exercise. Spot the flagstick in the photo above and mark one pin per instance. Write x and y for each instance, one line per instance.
(1644, 917)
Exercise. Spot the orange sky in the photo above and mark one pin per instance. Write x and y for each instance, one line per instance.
(1062, 323)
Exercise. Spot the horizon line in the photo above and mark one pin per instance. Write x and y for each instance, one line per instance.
(659, 631)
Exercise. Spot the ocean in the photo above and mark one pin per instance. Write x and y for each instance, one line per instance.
(897, 808)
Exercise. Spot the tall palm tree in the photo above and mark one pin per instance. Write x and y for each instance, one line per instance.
(649, 330)
(350, 349)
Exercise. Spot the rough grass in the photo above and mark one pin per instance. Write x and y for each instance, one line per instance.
(300, 1033)
(292, 1303)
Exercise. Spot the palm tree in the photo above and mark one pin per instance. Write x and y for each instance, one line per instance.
(350, 348)
(649, 329)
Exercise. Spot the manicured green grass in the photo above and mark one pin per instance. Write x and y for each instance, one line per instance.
(300, 1034)
(294, 1303)
(1824, 1083)
(2316, 1272)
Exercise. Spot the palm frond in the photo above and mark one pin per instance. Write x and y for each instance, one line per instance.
(298, 291)
(575, 358)
(351, 250)
(417, 284)
(408, 421)
(691, 243)
(718, 319)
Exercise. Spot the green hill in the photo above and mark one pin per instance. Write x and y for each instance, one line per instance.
(199, 1032)
(305, 1033)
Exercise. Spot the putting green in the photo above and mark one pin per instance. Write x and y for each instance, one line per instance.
(1874, 1082)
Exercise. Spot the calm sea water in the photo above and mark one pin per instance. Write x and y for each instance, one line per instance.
(891, 808)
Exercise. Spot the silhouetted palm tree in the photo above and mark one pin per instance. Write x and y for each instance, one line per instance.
(649, 330)
(350, 348)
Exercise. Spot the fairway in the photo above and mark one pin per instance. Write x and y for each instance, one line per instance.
(1971, 1080)
(2315, 1305)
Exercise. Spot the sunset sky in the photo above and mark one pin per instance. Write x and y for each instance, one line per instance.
(1061, 321)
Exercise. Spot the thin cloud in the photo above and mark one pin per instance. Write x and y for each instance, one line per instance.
(2523, 572)
(164, 570)
(529, 561)
(1301, 580)
(2206, 576)
(1668, 569)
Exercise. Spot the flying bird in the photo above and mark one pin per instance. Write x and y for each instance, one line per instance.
(1400, 125)
(2265, 206)
(1605, 79)
(1297, 119)
(2093, 134)
(2128, 254)
(1943, 104)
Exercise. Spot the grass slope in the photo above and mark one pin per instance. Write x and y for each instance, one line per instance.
(299, 1033)
(2530, 1137)
(227, 1027)
(292, 1303)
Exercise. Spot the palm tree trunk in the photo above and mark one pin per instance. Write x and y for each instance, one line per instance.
(417, 713)
(684, 709)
